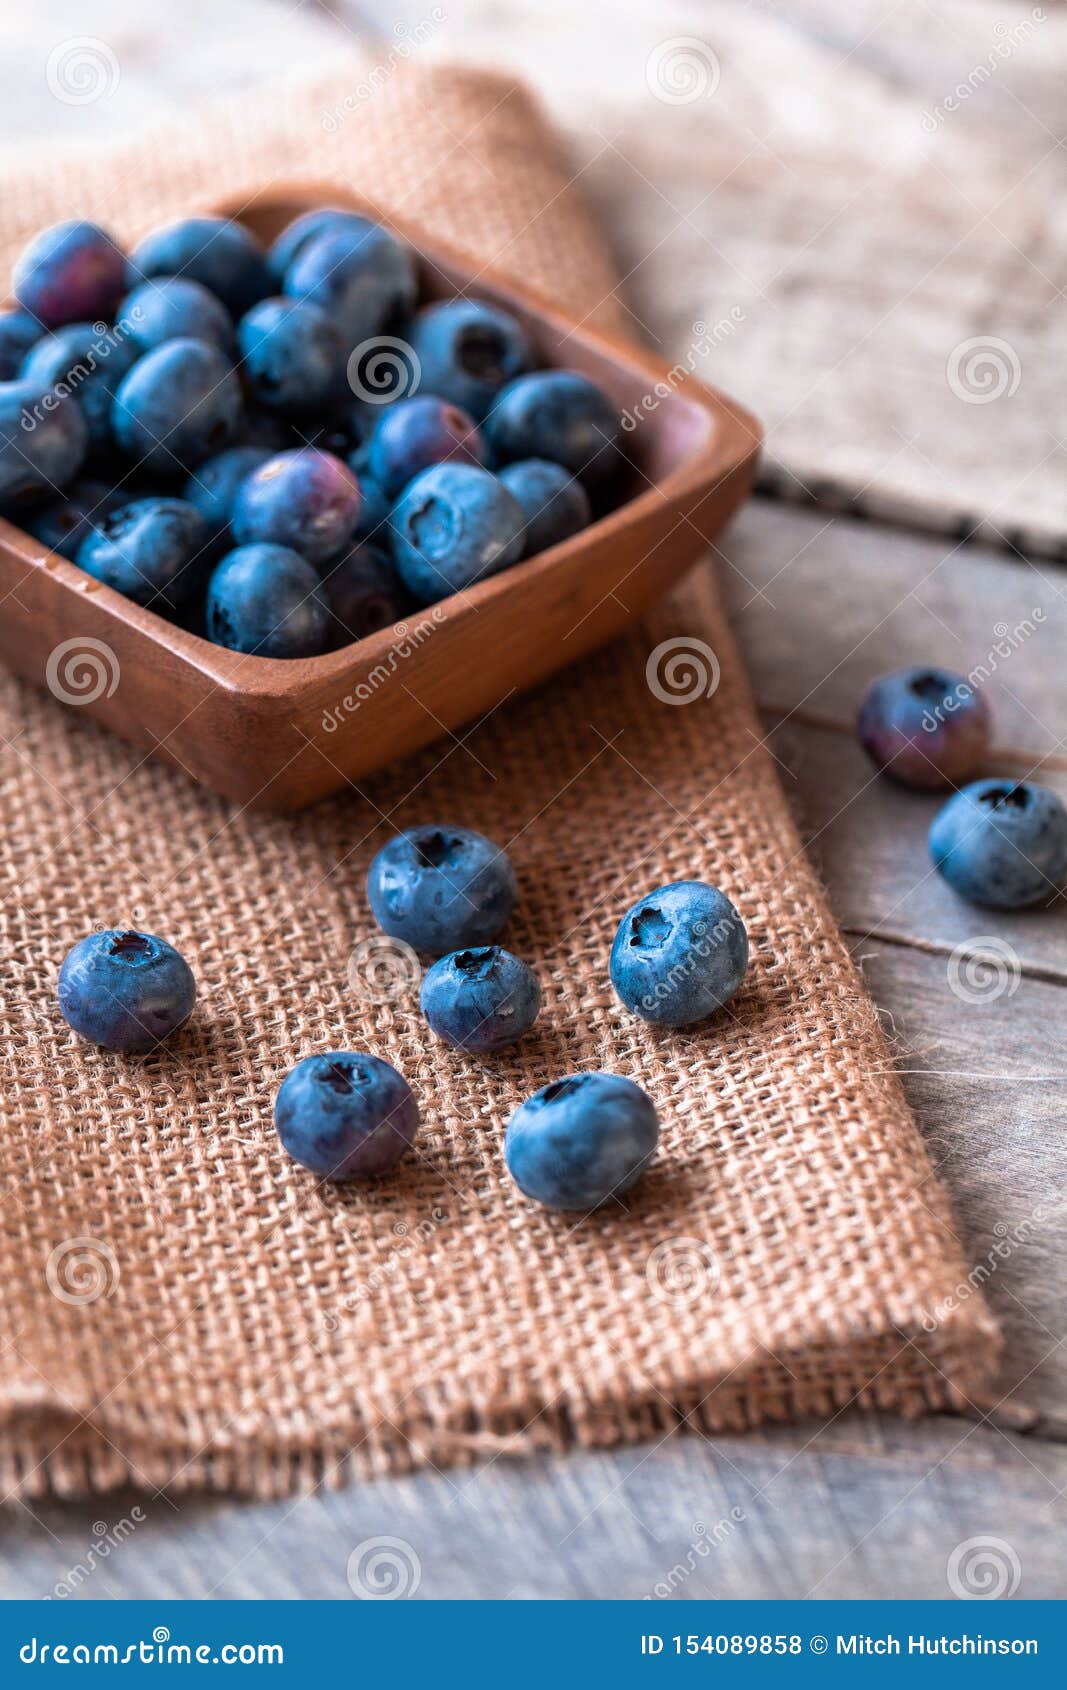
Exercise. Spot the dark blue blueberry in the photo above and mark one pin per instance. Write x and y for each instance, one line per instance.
(148, 550)
(43, 441)
(70, 273)
(212, 487)
(480, 1000)
(125, 990)
(291, 354)
(415, 433)
(364, 594)
(88, 363)
(295, 236)
(1002, 843)
(452, 526)
(345, 1115)
(221, 255)
(63, 523)
(926, 727)
(467, 351)
(582, 1140)
(306, 499)
(560, 415)
(554, 503)
(267, 600)
(18, 333)
(441, 889)
(679, 954)
(175, 308)
(342, 430)
(179, 404)
(360, 276)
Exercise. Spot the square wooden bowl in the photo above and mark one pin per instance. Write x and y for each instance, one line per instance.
(278, 735)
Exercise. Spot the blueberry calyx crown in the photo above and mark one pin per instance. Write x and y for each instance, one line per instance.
(478, 963)
(131, 947)
(342, 1075)
(1015, 797)
(649, 928)
(560, 1089)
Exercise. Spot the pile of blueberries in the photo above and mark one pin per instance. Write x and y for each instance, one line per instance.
(679, 955)
(278, 448)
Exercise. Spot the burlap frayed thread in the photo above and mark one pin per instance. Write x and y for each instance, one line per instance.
(789, 1252)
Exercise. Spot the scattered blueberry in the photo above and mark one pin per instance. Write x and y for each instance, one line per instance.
(292, 357)
(179, 404)
(554, 503)
(415, 433)
(87, 363)
(70, 273)
(360, 276)
(148, 550)
(467, 351)
(926, 727)
(364, 594)
(441, 889)
(175, 308)
(43, 441)
(344, 1115)
(1002, 843)
(125, 990)
(679, 954)
(480, 1000)
(582, 1140)
(295, 236)
(452, 526)
(559, 415)
(63, 523)
(223, 256)
(212, 487)
(18, 332)
(269, 601)
(305, 499)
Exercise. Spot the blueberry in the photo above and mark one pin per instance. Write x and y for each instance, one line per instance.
(467, 351)
(43, 441)
(147, 550)
(453, 525)
(221, 255)
(554, 504)
(441, 889)
(18, 333)
(926, 727)
(342, 430)
(212, 487)
(125, 990)
(1002, 843)
(267, 600)
(71, 272)
(345, 1115)
(582, 1140)
(416, 433)
(88, 363)
(179, 404)
(559, 415)
(364, 594)
(63, 523)
(295, 236)
(679, 954)
(305, 499)
(360, 276)
(480, 1000)
(292, 357)
(175, 308)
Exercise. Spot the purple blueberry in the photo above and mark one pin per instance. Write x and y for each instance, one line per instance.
(345, 1115)
(1002, 843)
(295, 236)
(925, 726)
(364, 594)
(416, 433)
(305, 499)
(480, 1000)
(359, 275)
(581, 1141)
(179, 404)
(175, 308)
(452, 526)
(43, 441)
(467, 351)
(63, 523)
(125, 990)
(223, 256)
(679, 954)
(87, 362)
(147, 550)
(559, 415)
(441, 889)
(70, 273)
(18, 333)
(267, 600)
(554, 503)
(291, 355)
(212, 487)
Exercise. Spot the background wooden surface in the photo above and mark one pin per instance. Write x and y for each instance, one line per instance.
(821, 602)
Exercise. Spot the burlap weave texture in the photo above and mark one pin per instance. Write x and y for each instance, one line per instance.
(245, 1330)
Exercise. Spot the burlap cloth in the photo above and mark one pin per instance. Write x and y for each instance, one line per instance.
(180, 1304)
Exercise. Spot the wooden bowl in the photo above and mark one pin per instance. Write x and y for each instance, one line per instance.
(278, 735)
